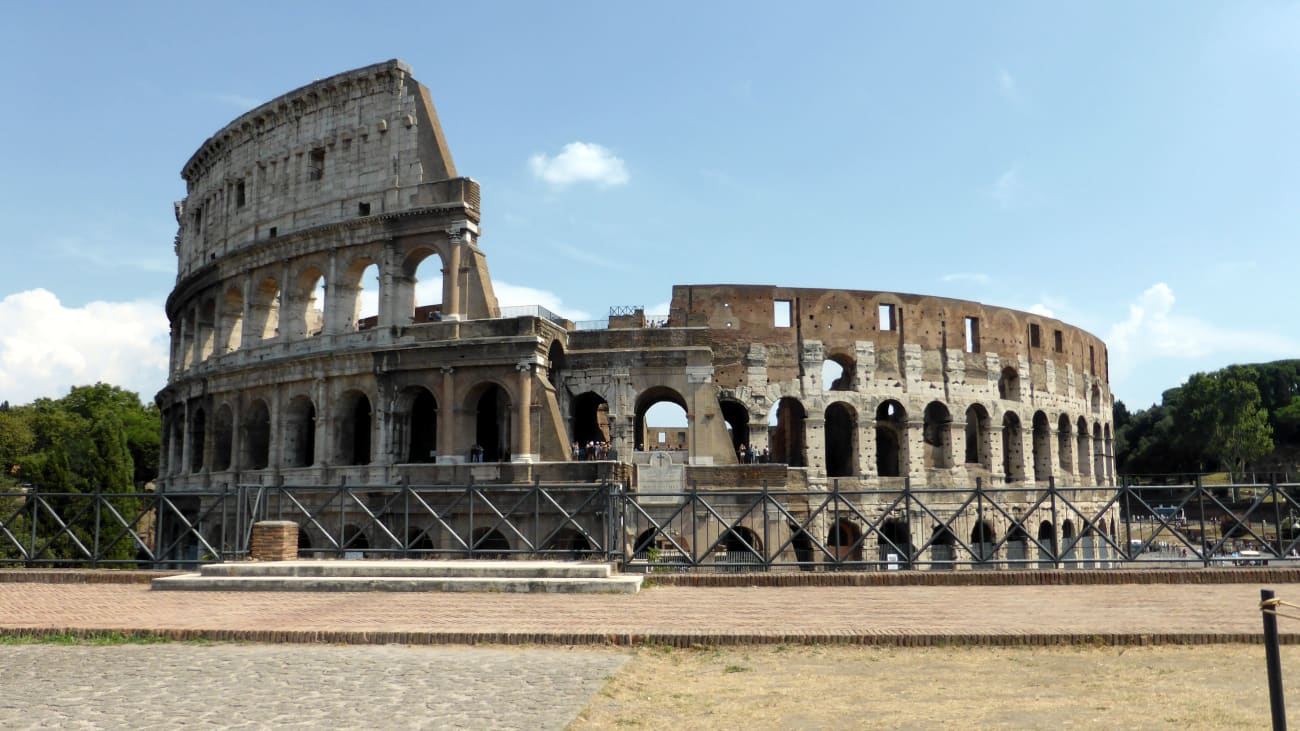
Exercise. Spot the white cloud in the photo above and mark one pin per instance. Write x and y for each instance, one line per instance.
(239, 101)
(971, 277)
(46, 348)
(1008, 87)
(511, 295)
(580, 162)
(1041, 309)
(1154, 331)
(1008, 190)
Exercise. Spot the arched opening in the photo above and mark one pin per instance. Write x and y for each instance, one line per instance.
(358, 298)
(492, 425)
(555, 364)
(786, 432)
(942, 548)
(354, 539)
(257, 437)
(419, 293)
(661, 420)
(895, 542)
(841, 440)
(802, 545)
(304, 313)
(1098, 455)
(264, 310)
(936, 436)
(891, 439)
(304, 540)
(487, 542)
(1013, 449)
(1085, 462)
(1068, 540)
(845, 540)
(232, 321)
(741, 546)
(1108, 452)
(1095, 399)
(417, 419)
(177, 460)
(736, 416)
(354, 429)
(223, 439)
(198, 436)
(571, 544)
(983, 540)
(1064, 445)
(300, 432)
(204, 329)
(590, 421)
(979, 437)
(837, 373)
(1017, 547)
(419, 541)
(1042, 448)
(1009, 384)
(1046, 544)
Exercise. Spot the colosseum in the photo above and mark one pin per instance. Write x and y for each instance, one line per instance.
(334, 324)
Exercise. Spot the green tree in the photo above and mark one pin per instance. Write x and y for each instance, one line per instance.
(1224, 416)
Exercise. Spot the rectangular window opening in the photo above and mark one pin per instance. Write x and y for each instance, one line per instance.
(240, 194)
(316, 165)
(1035, 340)
(363, 209)
(198, 219)
(888, 318)
(1092, 360)
(972, 335)
(1058, 341)
(781, 313)
(272, 233)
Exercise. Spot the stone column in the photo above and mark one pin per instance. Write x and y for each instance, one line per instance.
(187, 436)
(322, 446)
(997, 475)
(451, 304)
(236, 435)
(246, 338)
(814, 435)
(914, 450)
(956, 443)
(275, 453)
(523, 431)
(446, 439)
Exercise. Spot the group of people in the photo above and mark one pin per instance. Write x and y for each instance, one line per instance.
(591, 451)
(478, 454)
(751, 455)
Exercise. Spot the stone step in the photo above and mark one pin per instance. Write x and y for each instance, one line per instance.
(198, 582)
(386, 569)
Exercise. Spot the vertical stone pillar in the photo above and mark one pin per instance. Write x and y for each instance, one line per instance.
(758, 434)
(814, 435)
(446, 438)
(187, 436)
(237, 435)
(997, 474)
(914, 452)
(956, 443)
(275, 453)
(451, 295)
(322, 454)
(866, 428)
(246, 336)
(523, 431)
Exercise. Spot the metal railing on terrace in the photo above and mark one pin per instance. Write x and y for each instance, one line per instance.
(1011, 528)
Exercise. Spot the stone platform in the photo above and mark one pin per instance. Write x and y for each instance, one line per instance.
(551, 577)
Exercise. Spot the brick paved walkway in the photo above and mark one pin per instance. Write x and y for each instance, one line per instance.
(902, 615)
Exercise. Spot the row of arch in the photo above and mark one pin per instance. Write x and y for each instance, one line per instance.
(295, 306)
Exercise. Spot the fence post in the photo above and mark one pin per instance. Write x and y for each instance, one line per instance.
(1200, 502)
(1273, 658)
(979, 519)
(1056, 526)
(1126, 488)
(1277, 515)
(907, 521)
(99, 510)
(694, 500)
(767, 546)
(835, 526)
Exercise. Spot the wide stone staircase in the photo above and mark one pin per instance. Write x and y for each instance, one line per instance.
(406, 575)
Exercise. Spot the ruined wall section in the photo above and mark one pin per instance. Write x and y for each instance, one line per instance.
(360, 143)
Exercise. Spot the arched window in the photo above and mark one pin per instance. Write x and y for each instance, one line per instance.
(979, 437)
(257, 437)
(786, 432)
(421, 426)
(306, 315)
(223, 439)
(354, 433)
(300, 432)
(264, 310)
(891, 439)
(590, 419)
(1046, 544)
(1042, 448)
(661, 420)
(844, 540)
(356, 296)
(736, 416)
(895, 540)
(1009, 384)
(841, 440)
(492, 423)
(936, 436)
(1085, 459)
(1098, 455)
(232, 321)
(198, 434)
(419, 290)
(1064, 445)
(837, 373)
(983, 540)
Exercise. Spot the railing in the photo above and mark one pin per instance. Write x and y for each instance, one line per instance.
(936, 529)
(532, 311)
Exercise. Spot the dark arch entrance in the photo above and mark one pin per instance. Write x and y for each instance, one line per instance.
(590, 418)
(737, 418)
(942, 552)
(354, 437)
(300, 432)
(571, 544)
(423, 445)
(489, 540)
(895, 539)
(891, 428)
(841, 430)
(644, 402)
(1046, 544)
(492, 424)
(787, 436)
(257, 436)
(802, 545)
(843, 540)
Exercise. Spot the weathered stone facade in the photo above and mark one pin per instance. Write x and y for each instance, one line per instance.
(295, 200)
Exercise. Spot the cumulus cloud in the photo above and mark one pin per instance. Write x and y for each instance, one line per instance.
(580, 162)
(47, 347)
(1153, 330)
(512, 295)
(1039, 308)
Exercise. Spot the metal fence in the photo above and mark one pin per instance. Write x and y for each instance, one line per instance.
(1011, 528)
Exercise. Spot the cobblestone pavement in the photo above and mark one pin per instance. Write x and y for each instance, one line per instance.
(174, 685)
(678, 615)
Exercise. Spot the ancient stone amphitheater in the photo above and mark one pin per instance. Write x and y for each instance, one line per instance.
(334, 323)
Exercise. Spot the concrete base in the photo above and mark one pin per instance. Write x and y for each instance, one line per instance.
(493, 576)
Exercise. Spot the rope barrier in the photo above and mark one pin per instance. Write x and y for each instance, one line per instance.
(1269, 606)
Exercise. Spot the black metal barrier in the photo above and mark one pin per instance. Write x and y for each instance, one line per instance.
(1011, 527)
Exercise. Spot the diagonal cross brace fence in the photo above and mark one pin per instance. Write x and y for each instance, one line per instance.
(1011, 527)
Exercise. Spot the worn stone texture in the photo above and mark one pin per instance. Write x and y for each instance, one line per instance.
(278, 377)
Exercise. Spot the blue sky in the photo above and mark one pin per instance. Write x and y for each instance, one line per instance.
(1131, 168)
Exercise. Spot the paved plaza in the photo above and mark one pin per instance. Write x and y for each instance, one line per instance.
(174, 685)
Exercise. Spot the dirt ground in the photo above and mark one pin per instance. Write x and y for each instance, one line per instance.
(790, 687)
